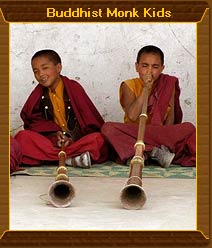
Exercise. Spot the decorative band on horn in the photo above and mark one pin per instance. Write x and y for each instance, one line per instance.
(60, 153)
(139, 143)
(136, 160)
(61, 168)
(144, 115)
(62, 177)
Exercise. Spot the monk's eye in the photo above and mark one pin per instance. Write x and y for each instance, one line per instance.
(156, 66)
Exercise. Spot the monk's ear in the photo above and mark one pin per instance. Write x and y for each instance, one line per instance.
(136, 66)
(59, 67)
(163, 66)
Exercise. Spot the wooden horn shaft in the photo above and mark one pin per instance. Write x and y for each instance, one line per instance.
(61, 192)
(132, 194)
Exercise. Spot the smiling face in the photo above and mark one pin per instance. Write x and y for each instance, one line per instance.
(46, 72)
(149, 62)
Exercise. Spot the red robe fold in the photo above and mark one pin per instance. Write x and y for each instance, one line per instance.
(160, 97)
(180, 138)
(37, 147)
(15, 155)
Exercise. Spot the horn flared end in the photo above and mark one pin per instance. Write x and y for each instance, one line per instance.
(133, 196)
(61, 193)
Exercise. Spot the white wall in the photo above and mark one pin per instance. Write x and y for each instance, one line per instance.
(100, 57)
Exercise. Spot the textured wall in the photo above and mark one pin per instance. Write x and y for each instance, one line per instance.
(100, 57)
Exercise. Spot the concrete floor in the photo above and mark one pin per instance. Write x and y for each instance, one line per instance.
(170, 205)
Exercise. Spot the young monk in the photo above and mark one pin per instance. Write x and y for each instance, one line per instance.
(59, 110)
(166, 139)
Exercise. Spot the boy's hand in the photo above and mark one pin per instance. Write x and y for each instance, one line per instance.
(148, 80)
(62, 138)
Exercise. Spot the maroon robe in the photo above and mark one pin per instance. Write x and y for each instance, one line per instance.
(15, 155)
(160, 97)
(86, 113)
(180, 138)
(37, 141)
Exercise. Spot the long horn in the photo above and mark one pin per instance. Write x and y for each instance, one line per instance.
(61, 192)
(132, 194)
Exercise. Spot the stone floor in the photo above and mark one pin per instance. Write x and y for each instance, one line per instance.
(170, 205)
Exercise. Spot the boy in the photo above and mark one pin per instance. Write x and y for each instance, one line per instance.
(167, 140)
(58, 110)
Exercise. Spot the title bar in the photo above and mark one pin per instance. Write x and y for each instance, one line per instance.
(103, 11)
